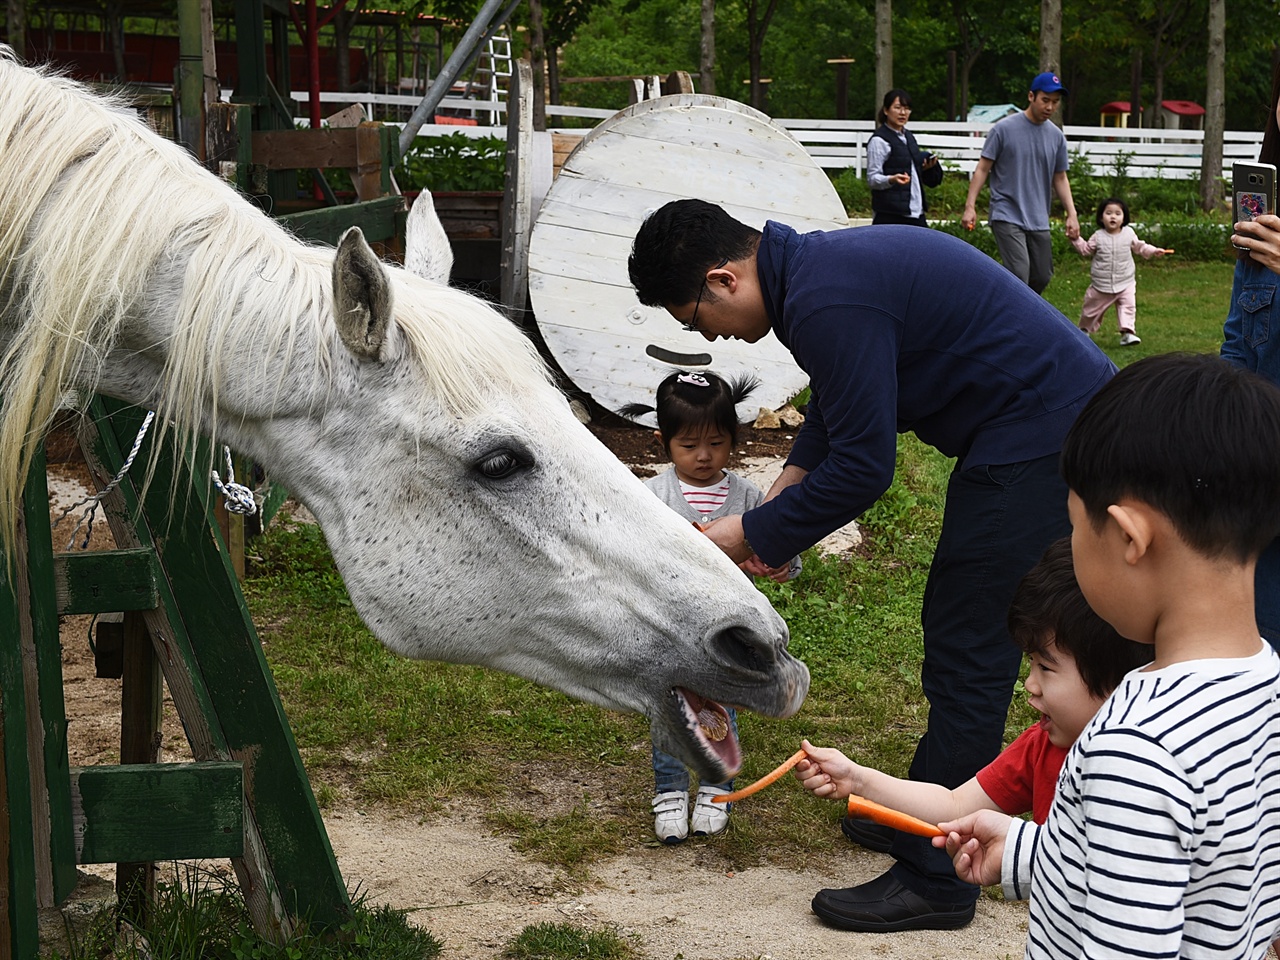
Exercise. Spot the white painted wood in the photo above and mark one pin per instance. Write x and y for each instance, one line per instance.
(685, 145)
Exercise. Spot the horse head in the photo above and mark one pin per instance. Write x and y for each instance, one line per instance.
(493, 528)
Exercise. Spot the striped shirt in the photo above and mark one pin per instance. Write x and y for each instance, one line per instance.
(1164, 836)
(706, 500)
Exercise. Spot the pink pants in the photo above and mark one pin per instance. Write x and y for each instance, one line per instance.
(1096, 304)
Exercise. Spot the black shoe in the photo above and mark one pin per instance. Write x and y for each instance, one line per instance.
(867, 834)
(883, 905)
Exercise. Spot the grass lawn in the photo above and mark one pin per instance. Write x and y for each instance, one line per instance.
(376, 728)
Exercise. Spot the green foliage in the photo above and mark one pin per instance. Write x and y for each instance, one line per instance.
(199, 915)
(453, 162)
(568, 941)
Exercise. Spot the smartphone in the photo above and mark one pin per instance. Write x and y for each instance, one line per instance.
(1253, 191)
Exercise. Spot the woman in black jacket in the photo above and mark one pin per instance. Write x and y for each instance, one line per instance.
(897, 169)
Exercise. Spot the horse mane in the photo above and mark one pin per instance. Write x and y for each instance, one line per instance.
(97, 211)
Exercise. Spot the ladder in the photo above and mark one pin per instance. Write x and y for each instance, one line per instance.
(246, 797)
(492, 75)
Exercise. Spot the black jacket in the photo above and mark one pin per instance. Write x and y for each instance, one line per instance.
(903, 158)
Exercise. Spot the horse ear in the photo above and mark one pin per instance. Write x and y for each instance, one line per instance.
(427, 253)
(361, 297)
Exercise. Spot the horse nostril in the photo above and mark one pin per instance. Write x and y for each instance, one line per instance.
(736, 647)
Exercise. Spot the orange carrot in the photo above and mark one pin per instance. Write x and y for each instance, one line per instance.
(869, 809)
(763, 782)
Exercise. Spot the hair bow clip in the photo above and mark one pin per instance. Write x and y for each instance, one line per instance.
(696, 379)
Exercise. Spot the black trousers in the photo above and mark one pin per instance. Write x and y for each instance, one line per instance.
(997, 522)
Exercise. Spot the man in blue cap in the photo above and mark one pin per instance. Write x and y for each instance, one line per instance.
(1026, 158)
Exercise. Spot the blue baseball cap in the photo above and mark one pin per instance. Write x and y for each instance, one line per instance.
(1047, 83)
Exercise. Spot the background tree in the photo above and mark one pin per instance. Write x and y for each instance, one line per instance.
(884, 47)
(758, 21)
(707, 52)
(1214, 108)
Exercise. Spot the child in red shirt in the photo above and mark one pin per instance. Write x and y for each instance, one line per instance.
(1077, 659)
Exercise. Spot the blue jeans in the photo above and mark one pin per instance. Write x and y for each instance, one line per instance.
(670, 774)
(997, 522)
(1246, 340)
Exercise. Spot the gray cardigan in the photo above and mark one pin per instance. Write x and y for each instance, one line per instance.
(743, 496)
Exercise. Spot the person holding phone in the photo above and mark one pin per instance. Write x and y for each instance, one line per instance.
(897, 169)
(1251, 335)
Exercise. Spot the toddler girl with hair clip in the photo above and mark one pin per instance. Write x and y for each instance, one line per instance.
(698, 428)
(1112, 274)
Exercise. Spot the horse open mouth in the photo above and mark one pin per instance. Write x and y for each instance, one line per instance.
(707, 723)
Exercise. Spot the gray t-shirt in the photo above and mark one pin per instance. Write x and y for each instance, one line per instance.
(1024, 156)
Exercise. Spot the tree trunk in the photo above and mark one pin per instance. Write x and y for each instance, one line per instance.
(1214, 106)
(1135, 89)
(707, 55)
(1051, 43)
(1051, 35)
(757, 27)
(1157, 113)
(16, 11)
(538, 60)
(884, 47)
(553, 73)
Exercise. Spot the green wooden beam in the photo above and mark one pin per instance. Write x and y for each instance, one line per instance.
(106, 581)
(158, 811)
(375, 218)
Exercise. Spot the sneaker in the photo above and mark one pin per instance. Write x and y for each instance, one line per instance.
(709, 818)
(671, 816)
(1128, 338)
(884, 905)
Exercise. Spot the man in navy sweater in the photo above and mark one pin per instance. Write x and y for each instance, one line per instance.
(899, 329)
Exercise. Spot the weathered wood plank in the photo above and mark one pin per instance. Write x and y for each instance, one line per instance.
(106, 581)
(303, 149)
(158, 811)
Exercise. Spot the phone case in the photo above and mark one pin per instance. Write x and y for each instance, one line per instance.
(1253, 190)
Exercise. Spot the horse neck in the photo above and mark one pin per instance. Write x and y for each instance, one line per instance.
(223, 343)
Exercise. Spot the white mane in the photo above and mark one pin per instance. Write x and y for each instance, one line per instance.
(97, 212)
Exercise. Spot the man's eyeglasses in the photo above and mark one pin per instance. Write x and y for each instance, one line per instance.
(692, 323)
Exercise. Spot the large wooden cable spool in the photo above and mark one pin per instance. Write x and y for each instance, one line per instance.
(688, 145)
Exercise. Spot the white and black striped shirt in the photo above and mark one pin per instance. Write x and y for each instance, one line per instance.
(1164, 836)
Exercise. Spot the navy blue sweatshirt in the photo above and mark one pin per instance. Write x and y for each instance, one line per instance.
(902, 329)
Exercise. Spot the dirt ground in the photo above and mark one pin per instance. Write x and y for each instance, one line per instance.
(474, 892)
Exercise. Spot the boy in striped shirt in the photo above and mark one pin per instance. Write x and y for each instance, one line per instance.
(1164, 835)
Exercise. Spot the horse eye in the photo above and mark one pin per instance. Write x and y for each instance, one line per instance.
(500, 464)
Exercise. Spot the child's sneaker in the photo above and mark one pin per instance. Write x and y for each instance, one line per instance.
(671, 816)
(709, 818)
(1128, 338)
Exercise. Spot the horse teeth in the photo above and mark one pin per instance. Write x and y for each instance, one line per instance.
(714, 725)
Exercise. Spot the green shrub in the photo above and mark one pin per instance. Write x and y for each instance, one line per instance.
(453, 162)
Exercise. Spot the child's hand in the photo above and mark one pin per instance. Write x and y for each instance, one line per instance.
(776, 574)
(825, 772)
(976, 845)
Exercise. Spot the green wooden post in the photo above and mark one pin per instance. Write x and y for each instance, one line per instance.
(21, 930)
(48, 653)
(210, 631)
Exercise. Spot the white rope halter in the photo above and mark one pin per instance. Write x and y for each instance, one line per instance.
(237, 497)
(95, 499)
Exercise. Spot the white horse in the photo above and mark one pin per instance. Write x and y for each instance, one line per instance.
(472, 517)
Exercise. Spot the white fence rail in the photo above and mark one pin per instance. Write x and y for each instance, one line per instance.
(841, 144)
